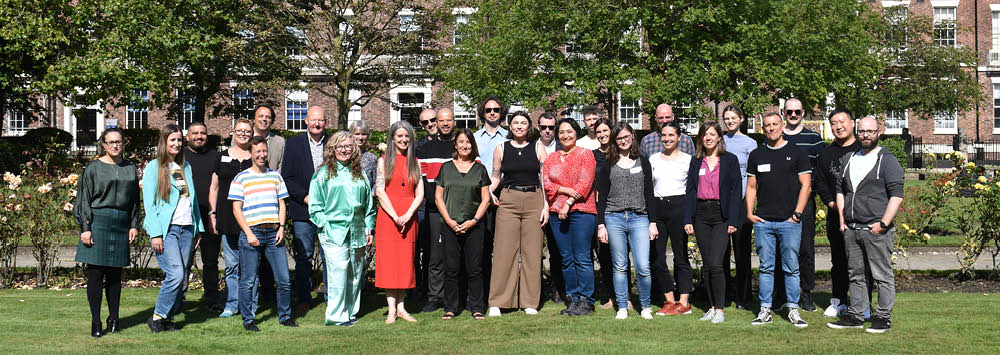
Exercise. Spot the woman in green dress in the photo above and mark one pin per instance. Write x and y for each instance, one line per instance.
(107, 209)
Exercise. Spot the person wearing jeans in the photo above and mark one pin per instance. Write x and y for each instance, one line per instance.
(775, 172)
(230, 162)
(273, 249)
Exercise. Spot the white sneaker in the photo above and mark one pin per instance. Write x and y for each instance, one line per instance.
(796, 319)
(494, 312)
(646, 313)
(835, 308)
(530, 311)
(622, 313)
(708, 315)
(719, 317)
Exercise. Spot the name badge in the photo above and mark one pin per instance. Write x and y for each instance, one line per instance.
(701, 171)
(635, 170)
(227, 159)
(764, 168)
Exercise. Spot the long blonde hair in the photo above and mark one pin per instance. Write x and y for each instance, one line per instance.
(163, 179)
(330, 155)
(389, 159)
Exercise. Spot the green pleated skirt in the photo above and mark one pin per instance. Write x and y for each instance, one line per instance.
(109, 230)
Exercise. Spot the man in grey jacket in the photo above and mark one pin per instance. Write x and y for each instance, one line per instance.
(869, 192)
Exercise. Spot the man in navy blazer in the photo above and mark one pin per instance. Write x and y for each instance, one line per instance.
(303, 155)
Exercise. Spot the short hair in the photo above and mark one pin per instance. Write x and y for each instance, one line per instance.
(359, 125)
(269, 109)
(547, 115)
(197, 123)
(840, 111)
(472, 140)
(242, 120)
(531, 125)
(591, 110)
(769, 114)
(700, 140)
(572, 123)
(481, 111)
(257, 140)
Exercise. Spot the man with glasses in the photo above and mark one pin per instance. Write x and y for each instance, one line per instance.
(547, 132)
(428, 120)
(432, 155)
(202, 159)
(590, 117)
(303, 156)
(652, 144)
(812, 144)
(876, 176)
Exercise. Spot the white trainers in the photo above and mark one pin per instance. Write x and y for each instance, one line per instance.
(764, 317)
(796, 319)
(835, 308)
(530, 311)
(622, 313)
(718, 317)
(646, 313)
(708, 315)
(494, 312)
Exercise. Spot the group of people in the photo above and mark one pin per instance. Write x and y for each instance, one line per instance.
(462, 217)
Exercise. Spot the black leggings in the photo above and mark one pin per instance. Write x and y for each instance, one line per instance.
(670, 224)
(463, 250)
(710, 229)
(109, 280)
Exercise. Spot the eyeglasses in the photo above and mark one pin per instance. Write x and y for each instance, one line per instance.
(793, 112)
(491, 109)
(867, 132)
(624, 138)
(113, 143)
(243, 132)
(546, 127)
(344, 147)
(426, 122)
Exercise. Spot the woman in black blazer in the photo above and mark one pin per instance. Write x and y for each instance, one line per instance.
(712, 209)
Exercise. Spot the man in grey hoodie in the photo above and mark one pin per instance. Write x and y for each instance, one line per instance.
(869, 192)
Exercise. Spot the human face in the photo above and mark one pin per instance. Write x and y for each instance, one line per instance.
(316, 121)
(491, 112)
(842, 126)
(262, 119)
(259, 155)
(590, 120)
(603, 134)
(242, 133)
(343, 150)
(401, 139)
(428, 120)
(731, 121)
(669, 138)
(793, 112)
(360, 137)
(547, 129)
(567, 136)
(868, 133)
(519, 127)
(773, 127)
(624, 140)
(174, 143)
(664, 114)
(464, 147)
(197, 134)
(445, 123)
(711, 140)
(113, 144)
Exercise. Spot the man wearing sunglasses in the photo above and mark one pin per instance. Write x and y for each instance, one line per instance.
(547, 132)
(651, 144)
(432, 155)
(812, 144)
(491, 111)
(428, 121)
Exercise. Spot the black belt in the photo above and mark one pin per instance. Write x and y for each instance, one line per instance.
(266, 225)
(665, 198)
(859, 226)
(523, 188)
(701, 200)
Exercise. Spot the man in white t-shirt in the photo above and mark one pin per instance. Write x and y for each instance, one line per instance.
(590, 117)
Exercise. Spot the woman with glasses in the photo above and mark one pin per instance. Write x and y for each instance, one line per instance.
(341, 206)
(232, 161)
(625, 188)
(603, 129)
(712, 210)
(670, 172)
(107, 210)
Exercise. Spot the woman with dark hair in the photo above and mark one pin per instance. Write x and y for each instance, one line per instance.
(516, 277)
(107, 209)
(231, 162)
(625, 188)
(462, 196)
(670, 172)
(712, 209)
(172, 219)
(603, 133)
(568, 180)
(341, 206)
(399, 190)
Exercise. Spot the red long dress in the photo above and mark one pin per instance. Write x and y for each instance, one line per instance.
(394, 251)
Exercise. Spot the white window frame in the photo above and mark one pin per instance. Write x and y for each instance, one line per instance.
(186, 116)
(296, 107)
(996, 108)
(299, 35)
(465, 111)
(952, 26)
(688, 124)
(946, 123)
(138, 117)
(15, 123)
(461, 18)
(240, 100)
(394, 113)
(893, 116)
(634, 120)
(410, 25)
(354, 114)
(515, 107)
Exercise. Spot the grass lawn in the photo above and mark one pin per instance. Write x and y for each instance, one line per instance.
(46, 321)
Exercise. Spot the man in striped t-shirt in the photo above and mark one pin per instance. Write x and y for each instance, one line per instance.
(257, 194)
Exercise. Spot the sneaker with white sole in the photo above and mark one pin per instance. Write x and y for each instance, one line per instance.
(847, 322)
(835, 308)
(796, 319)
(646, 313)
(879, 325)
(718, 317)
(708, 315)
(764, 317)
(494, 312)
(530, 311)
(622, 313)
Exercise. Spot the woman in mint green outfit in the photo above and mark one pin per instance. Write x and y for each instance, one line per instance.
(341, 206)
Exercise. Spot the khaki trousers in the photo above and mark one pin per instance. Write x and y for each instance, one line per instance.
(516, 278)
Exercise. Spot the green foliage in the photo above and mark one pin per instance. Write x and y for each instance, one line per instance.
(39, 139)
(896, 146)
(140, 143)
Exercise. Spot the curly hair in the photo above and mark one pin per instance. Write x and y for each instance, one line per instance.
(330, 155)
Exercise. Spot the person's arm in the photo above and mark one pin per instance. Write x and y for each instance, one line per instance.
(418, 198)
(838, 189)
(894, 180)
(691, 194)
(651, 212)
(496, 174)
(840, 211)
(442, 209)
(804, 180)
(241, 220)
(213, 202)
(317, 204)
(370, 213)
(541, 153)
(751, 199)
(81, 210)
(550, 187)
(290, 171)
(281, 222)
(585, 183)
(149, 182)
(820, 181)
(603, 189)
(735, 192)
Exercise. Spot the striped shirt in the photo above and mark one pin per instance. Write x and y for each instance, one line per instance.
(652, 144)
(809, 142)
(260, 194)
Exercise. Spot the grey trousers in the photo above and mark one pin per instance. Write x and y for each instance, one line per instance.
(867, 250)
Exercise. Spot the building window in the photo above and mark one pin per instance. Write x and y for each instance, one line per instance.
(186, 116)
(946, 123)
(354, 115)
(513, 108)
(630, 110)
(408, 23)
(465, 111)
(685, 117)
(243, 104)
(298, 40)
(137, 112)
(895, 121)
(296, 105)
(15, 123)
(996, 107)
(461, 24)
(944, 26)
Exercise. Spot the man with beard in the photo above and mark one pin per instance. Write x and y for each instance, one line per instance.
(263, 119)
(432, 154)
(202, 159)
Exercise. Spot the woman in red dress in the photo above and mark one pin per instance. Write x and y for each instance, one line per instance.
(400, 190)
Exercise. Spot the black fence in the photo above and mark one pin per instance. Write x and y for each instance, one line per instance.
(984, 151)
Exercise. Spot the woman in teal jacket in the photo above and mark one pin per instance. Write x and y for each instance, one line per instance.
(341, 206)
(172, 219)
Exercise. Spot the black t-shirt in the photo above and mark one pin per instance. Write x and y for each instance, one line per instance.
(432, 154)
(777, 172)
(202, 167)
(226, 169)
(825, 174)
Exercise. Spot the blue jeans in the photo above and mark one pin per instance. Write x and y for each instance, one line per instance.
(177, 245)
(768, 235)
(573, 235)
(304, 245)
(231, 257)
(249, 261)
(633, 229)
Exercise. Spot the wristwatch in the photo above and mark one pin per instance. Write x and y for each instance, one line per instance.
(882, 224)
(797, 215)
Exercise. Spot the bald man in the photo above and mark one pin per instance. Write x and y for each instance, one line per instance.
(303, 156)
(652, 144)
(432, 154)
(876, 176)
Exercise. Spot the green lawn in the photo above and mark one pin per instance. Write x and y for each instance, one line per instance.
(46, 321)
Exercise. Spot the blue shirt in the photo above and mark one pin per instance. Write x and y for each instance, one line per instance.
(741, 146)
(487, 143)
(652, 144)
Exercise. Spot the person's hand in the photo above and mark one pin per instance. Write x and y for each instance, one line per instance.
(496, 201)
(689, 229)
(252, 240)
(452, 224)
(572, 193)
(280, 236)
(544, 218)
(832, 204)
(731, 230)
(602, 234)
(157, 245)
(368, 239)
(843, 227)
(876, 228)
(132, 234)
(467, 225)
(197, 241)
(86, 239)
(305, 200)
(754, 219)
(404, 219)
(564, 212)
(653, 231)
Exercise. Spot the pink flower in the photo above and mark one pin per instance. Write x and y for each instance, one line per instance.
(68, 207)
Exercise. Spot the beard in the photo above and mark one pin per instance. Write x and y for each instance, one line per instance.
(869, 144)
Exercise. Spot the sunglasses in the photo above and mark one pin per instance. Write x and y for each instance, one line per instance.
(491, 109)
(426, 122)
(546, 127)
(793, 112)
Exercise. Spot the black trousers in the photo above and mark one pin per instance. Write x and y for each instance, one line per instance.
(489, 230)
(807, 258)
(670, 224)
(436, 259)
(211, 245)
(555, 264)
(463, 250)
(423, 256)
(838, 256)
(710, 229)
(109, 280)
(740, 287)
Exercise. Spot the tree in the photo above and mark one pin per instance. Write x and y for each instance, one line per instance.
(368, 46)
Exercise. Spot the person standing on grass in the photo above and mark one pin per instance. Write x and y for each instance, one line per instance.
(431, 155)
(590, 117)
(107, 210)
(172, 219)
(652, 142)
(624, 212)
(712, 210)
(462, 196)
(670, 174)
(491, 111)
(547, 138)
(428, 121)
(341, 206)
(263, 119)
(603, 250)
(257, 194)
(869, 192)
(231, 162)
(775, 173)
(400, 191)
(202, 159)
(740, 289)
(568, 180)
(522, 212)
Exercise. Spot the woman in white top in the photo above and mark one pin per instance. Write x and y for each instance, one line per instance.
(670, 170)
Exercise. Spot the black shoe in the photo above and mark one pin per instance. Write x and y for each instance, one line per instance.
(879, 325)
(95, 329)
(113, 326)
(155, 325)
(169, 325)
(431, 306)
(584, 307)
(289, 323)
(251, 327)
(846, 322)
(806, 302)
(571, 305)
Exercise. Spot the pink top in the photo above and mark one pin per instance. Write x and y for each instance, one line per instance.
(708, 181)
(574, 170)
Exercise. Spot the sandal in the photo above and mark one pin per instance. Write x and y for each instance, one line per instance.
(391, 318)
(406, 316)
(447, 316)
(478, 316)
